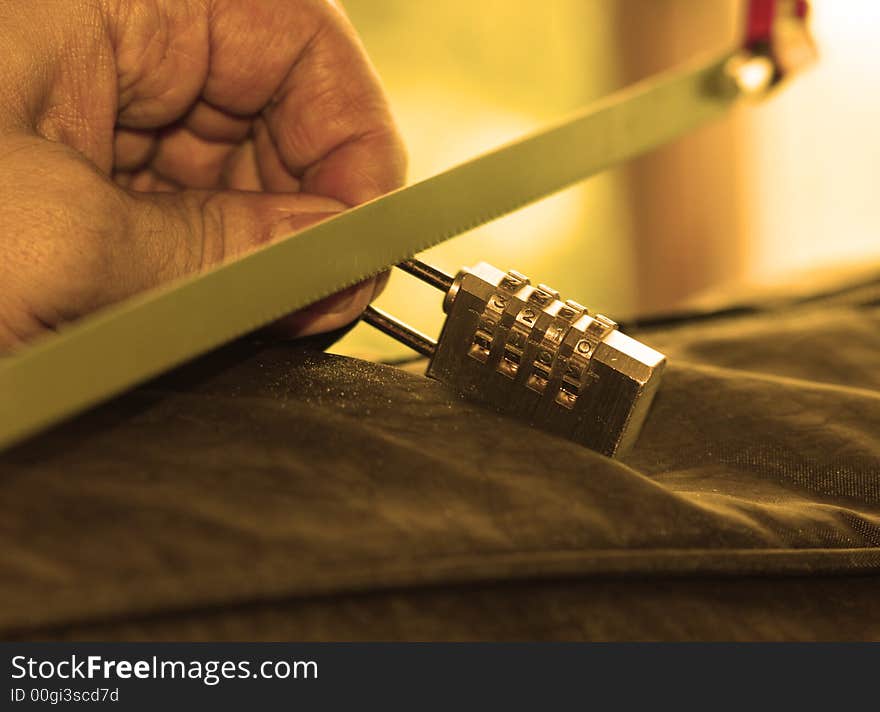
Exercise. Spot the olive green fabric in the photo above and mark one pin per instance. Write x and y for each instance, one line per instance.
(269, 491)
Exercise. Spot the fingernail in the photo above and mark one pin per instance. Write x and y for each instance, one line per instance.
(343, 301)
(331, 313)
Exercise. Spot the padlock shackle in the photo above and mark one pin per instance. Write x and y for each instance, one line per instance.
(399, 331)
(428, 274)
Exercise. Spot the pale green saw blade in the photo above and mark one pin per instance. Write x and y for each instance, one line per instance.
(104, 354)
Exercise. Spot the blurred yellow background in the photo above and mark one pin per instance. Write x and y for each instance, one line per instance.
(784, 186)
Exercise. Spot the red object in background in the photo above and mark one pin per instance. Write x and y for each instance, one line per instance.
(762, 15)
(778, 29)
(759, 21)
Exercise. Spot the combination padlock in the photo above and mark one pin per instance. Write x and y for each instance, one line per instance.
(524, 352)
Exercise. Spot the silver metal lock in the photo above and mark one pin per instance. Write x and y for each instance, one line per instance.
(524, 352)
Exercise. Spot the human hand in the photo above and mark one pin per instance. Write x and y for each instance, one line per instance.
(142, 140)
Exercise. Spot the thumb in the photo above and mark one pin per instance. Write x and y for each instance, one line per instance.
(73, 242)
(175, 234)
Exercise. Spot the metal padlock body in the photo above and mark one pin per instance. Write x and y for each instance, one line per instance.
(522, 351)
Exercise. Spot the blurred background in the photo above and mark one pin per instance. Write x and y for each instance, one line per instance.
(771, 193)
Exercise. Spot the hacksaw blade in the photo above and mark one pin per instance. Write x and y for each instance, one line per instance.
(123, 345)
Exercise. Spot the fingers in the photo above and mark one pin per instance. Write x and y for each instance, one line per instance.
(190, 161)
(329, 314)
(298, 64)
(161, 52)
(331, 123)
(323, 105)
